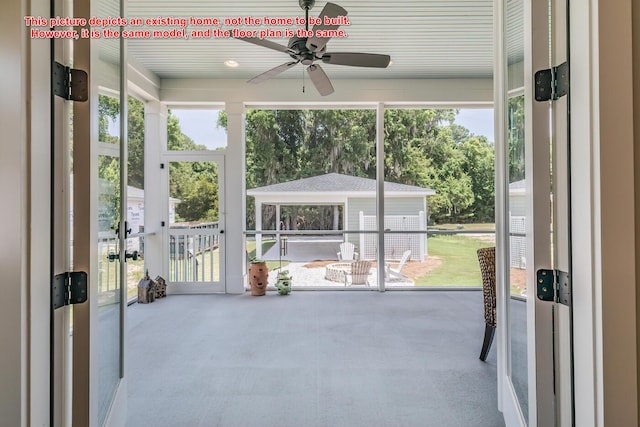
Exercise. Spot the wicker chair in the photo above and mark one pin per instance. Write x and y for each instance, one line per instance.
(487, 260)
(359, 273)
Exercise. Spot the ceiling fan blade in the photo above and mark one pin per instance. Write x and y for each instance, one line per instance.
(330, 10)
(272, 72)
(357, 59)
(267, 43)
(320, 79)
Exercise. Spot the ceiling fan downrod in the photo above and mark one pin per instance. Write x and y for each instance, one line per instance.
(306, 5)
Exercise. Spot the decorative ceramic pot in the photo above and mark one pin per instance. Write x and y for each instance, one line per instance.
(284, 283)
(258, 276)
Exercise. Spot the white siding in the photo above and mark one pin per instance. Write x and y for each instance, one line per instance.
(392, 206)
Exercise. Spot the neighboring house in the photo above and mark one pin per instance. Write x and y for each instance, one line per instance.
(135, 211)
(405, 209)
(135, 208)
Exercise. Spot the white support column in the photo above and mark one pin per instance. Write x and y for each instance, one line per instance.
(380, 192)
(155, 201)
(278, 228)
(235, 214)
(423, 237)
(258, 228)
(361, 235)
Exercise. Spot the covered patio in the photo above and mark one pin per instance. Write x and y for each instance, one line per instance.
(354, 208)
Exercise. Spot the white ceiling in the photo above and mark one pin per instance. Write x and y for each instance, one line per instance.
(425, 38)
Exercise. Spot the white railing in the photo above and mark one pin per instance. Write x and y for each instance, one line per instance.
(108, 269)
(194, 255)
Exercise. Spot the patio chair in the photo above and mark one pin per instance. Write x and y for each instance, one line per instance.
(391, 273)
(359, 273)
(487, 260)
(347, 252)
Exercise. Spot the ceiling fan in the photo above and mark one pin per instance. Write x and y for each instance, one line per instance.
(308, 50)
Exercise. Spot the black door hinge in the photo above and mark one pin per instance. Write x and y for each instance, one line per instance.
(69, 288)
(554, 286)
(69, 83)
(552, 83)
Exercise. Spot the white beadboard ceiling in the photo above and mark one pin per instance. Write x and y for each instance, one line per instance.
(425, 38)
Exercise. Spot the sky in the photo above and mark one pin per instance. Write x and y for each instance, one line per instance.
(200, 125)
(478, 121)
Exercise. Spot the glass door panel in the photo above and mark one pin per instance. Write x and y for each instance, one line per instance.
(525, 328)
(111, 202)
(136, 266)
(516, 217)
(517, 207)
(517, 220)
(109, 282)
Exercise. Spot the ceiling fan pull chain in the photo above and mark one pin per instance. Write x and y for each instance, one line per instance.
(302, 79)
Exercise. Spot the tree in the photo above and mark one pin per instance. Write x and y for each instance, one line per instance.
(201, 202)
(195, 184)
(516, 139)
(479, 155)
(422, 148)
(108, 167)
(135, 143)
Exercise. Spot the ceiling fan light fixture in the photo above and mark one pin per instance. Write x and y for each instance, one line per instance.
(231, 63)
(390, 63)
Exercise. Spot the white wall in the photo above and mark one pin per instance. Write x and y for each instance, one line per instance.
(435, 92)
(14, 219)
(615, 211)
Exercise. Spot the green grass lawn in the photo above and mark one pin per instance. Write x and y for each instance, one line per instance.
(204, 267)
(459, 261)
(482, 226)
(266, 245)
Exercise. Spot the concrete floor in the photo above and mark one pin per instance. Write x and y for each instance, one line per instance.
(311, 359)
(306, 249)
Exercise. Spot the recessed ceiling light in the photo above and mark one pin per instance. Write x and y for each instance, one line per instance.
(231, 63)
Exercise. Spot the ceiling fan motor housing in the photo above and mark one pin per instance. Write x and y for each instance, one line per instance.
(307, 4)
(300, 52)
(307, 50)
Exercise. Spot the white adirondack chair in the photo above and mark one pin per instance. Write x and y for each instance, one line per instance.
(392, 273)
(347, 252)
(359, 274)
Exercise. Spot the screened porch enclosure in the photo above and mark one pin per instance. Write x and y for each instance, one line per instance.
(352, 200)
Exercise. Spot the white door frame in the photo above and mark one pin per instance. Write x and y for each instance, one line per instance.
(85, 232)
(604, 103)
(196, 156)
(539, 327)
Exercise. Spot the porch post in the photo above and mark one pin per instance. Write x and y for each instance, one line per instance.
(258, 229)
(234, 223)
(278, 228)
(380, 193)
(155, 200)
